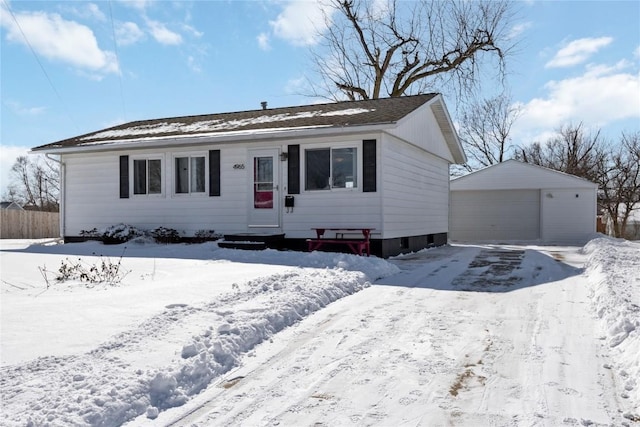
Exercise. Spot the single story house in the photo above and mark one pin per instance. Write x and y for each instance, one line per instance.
(514, 201)
(382, 164)
(11, 206)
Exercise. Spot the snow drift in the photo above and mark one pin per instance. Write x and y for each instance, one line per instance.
(613, 269)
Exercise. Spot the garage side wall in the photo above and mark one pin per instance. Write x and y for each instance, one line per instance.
(568, 215)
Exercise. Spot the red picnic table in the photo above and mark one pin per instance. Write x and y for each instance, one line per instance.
(357, 246)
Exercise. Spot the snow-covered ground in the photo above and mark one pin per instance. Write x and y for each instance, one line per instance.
(198, 335)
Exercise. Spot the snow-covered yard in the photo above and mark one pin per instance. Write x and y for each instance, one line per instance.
(198, 335)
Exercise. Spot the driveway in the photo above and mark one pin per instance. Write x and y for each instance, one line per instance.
(463, 335)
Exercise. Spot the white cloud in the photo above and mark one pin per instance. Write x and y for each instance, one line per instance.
(194, 64)
(87, 11)
(518, 29)
(296, 86)
(600, 96)
(58, 39)
(380, 8)
(95, 11)
(300, 22)
(162, 34)
(578, 51)
(137, 4)
(263, 41)
(596, 70)
(21, 110)
(128, 33)
(189, 29)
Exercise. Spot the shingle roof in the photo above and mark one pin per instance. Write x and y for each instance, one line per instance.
(338, 114)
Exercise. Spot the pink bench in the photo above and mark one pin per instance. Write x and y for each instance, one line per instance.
(357, 246)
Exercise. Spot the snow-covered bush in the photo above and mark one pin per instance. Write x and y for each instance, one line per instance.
(165, 235)
(120, 233)
(90, 233)
(206, 236)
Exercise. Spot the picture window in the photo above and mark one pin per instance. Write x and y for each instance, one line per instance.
(327, 168)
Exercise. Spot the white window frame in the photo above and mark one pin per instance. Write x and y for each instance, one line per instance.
(190, 155)
(132, 181)
(334, 146)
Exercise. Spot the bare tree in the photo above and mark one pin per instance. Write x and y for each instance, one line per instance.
(619, 182)
(573, 151)
(35, 183)
(404, 48)
(484, 130)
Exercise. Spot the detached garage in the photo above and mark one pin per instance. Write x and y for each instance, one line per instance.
(519, 201)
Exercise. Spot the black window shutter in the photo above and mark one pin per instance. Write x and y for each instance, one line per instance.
(369, 165)
(293, 172)
(124, 177)
(214, 172)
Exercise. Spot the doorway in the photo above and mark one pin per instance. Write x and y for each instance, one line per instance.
(264, 194)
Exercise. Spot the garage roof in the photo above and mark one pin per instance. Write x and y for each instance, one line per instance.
(515, 175)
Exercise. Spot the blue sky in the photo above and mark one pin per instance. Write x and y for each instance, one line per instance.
(62, 73)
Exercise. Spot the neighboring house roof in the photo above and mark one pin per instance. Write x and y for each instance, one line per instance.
(515, 175)
(317, 118)
(10, 205)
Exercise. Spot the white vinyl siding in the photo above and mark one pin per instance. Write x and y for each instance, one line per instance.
(412, 192)
(341, 207)
(421, 129)
(495, 215)
(92, 197)
(415, 190)
(568, 215)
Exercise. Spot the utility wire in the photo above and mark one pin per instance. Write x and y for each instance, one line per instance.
(115, 48)
(44, 71)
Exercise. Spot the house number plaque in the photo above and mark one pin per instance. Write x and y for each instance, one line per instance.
(238, 166)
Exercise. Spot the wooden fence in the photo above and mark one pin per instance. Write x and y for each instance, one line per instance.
(17, 224)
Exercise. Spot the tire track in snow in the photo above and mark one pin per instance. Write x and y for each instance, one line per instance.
(392, 347)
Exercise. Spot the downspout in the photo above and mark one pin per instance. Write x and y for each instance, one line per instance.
(63, 171)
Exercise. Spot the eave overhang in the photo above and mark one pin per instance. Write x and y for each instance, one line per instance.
(447, 128)
(215, 138)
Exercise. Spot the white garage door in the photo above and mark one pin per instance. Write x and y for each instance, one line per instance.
(495, 215)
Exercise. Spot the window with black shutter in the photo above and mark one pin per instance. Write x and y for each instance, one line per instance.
(124, 177)
(214, 173)
(293, 169)
(369, 166)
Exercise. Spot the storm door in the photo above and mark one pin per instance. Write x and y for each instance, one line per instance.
(264, 209)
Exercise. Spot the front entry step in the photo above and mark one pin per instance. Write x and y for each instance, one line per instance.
(252, 241)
